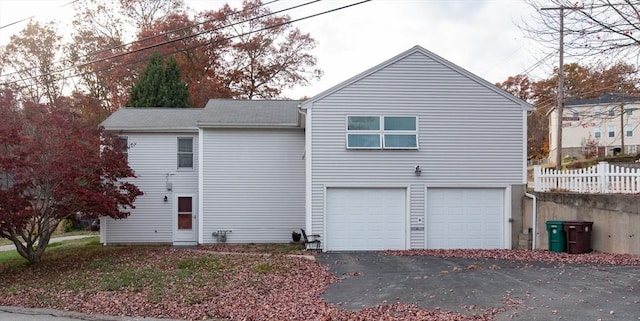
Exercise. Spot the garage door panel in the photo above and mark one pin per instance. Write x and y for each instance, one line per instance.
(465, 218)
(365, 219)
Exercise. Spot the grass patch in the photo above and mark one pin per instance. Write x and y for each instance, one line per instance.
(132, 279)
(79, 247)
(263, 268)
(4, 241)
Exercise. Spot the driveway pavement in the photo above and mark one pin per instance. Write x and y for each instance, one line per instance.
(547, 291)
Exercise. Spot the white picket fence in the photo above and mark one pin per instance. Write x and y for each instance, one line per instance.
(600, 178)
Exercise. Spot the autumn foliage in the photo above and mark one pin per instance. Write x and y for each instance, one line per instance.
(581, 82)
(56, 165)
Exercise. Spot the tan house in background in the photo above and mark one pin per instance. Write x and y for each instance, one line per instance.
(601, 126)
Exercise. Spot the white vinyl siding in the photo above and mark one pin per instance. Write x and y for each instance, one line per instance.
(152, 156)
(253, 184)
(469, 135)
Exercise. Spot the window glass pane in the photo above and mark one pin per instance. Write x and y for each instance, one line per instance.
(363, 123)
(399, 123)
(185, 145)
(184, 221)
(400, 141)
(185, 160)
(629, 130)
(364, 140)
(185, 204)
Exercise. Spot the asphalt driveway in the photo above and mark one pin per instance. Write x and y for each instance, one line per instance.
(548, 291)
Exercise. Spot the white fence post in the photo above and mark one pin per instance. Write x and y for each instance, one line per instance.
(536, 177)
(603, 176)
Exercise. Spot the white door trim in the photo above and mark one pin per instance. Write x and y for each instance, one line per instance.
(180, 238)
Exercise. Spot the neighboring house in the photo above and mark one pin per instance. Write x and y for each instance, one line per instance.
(597, 127)
(413, 153)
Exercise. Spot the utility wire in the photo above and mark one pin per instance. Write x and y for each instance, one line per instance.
(149, 38)
(29, 18)
(193, 47)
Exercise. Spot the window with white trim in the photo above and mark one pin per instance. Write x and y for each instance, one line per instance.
(597, 133)
(632, 149)
(382, 132)
(611, 131)
(597, 111)
(612, 111)
(575, 113)
(185, 152)
(628, 129)
(123, 143)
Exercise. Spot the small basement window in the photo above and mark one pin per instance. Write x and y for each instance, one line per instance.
(382, 132)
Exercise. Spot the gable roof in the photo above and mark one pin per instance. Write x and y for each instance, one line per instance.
(250, 113)
(431, 55)
(153, 119)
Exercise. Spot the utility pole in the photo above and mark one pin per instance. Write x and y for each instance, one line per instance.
(560, 103)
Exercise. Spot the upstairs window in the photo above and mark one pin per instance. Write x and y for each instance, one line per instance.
(597, 111)
(123, 142)
(597, 133)
(628, 130)
(612, 131)
(185, 152)
(612, 111)
(382, 132)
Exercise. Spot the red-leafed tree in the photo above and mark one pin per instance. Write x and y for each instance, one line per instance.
(55, 165)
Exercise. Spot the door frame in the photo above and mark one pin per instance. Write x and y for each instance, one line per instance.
(177, 238)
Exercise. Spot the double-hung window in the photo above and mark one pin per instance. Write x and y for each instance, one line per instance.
(185, 152)
(611, 131)
(628, 130)
(123, 143)
(382, 132)
(597, 133)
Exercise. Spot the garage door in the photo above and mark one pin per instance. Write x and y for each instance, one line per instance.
(465, 218)
(365, 219)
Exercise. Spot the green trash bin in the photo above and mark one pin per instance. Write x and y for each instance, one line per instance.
(557, 236)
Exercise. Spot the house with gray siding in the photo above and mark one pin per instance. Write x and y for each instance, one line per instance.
(415, 152)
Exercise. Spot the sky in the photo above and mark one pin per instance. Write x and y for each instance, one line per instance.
(481, 36)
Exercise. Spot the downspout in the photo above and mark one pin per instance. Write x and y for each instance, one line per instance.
(534, 219)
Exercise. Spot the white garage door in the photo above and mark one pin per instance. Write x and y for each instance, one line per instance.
(365, 219)
(465, 218)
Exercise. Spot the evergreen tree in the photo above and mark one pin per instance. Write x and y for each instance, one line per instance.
(159, 86)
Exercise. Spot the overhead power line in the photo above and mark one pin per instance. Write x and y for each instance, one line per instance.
(191, 47)
(29, 18)
(154, 36)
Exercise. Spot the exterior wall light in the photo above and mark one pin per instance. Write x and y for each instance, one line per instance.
(166, 199)
(418, 170)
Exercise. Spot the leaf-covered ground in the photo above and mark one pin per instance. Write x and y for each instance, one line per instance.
(201, 283)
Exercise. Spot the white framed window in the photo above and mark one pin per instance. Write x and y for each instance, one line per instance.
(612, 111)
(575, 113)
(629, 111)
(631, 149)
(628, 130)
(597, 112)
(611, 130)
(382, 132)
(185, 152)
(123, 143)
(597, 133)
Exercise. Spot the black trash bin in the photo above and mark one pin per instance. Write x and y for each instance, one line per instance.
(557, 236)
(578, 236)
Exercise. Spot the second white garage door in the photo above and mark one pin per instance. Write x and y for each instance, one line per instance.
(465, 218)
(365, 219)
